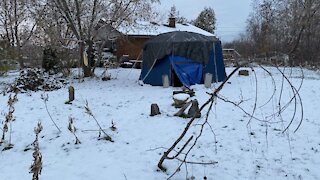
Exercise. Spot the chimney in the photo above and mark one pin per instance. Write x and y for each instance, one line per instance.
(172, 22)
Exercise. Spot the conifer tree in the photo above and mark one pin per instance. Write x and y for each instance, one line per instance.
(206, 20)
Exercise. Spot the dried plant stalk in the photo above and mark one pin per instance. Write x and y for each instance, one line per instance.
(8, 119)
(36, 166)
(89, 112)
(73, 130)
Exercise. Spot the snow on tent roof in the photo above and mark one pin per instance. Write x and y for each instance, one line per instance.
(186, 44)
(153, 29)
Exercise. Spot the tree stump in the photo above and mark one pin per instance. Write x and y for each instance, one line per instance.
(194, 110)
(71, 95)
(154, 110)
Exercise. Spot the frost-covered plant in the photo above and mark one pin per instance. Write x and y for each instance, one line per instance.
(73, 130)
(36, 166)
(8, 120)
(106, 136)
(113, 126)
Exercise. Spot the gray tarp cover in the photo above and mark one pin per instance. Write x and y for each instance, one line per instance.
(186, 44)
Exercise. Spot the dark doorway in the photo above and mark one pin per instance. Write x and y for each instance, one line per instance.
(175, 81)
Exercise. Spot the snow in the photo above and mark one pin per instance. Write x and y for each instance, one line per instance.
(259, 150)
(181, 96)
(152, 29)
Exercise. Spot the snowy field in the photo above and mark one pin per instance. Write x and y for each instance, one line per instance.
(258, 150)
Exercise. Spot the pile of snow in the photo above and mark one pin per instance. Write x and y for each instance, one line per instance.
(181, 97)
(36, 80)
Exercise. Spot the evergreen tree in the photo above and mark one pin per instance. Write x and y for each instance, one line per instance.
(206, 20)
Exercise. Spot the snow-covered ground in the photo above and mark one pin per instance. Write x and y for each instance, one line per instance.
(259, 150)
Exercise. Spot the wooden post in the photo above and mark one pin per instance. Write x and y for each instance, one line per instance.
(71, 95)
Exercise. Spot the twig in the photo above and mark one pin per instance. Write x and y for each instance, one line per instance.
(211, 99)
(92, 130)
(215, 138)
(201, 163)
(186, 148)
(255, 98)
(89, 112)
(45, 98)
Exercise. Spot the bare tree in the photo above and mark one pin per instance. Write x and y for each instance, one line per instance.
(287, 26)
(18, 22)
(174, 13)
(83, 16)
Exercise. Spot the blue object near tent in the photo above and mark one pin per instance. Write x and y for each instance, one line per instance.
(184, 57)
(188, 71)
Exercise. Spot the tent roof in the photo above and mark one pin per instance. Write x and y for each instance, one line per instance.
(181, 36)
(180, 43)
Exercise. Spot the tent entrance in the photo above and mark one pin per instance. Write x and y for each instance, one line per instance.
(185, 71)
(175, 81)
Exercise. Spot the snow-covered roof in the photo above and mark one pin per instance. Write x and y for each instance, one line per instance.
(153, 29)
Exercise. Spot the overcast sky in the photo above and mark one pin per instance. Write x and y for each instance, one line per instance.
(231, 15)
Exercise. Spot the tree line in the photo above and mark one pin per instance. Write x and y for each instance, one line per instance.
(282, 26)
(61, 25)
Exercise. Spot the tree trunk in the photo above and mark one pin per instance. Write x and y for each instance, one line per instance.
(16, 35)
(86, 69)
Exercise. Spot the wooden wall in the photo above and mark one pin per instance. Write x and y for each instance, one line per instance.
(131, 45)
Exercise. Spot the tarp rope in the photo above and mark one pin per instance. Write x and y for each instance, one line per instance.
(154, 62)
(149, 70)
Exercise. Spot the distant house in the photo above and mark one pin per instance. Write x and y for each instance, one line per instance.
(129, 40)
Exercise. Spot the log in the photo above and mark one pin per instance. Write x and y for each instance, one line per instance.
(181, 113)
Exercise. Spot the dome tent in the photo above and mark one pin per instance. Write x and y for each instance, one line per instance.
(185, 57)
